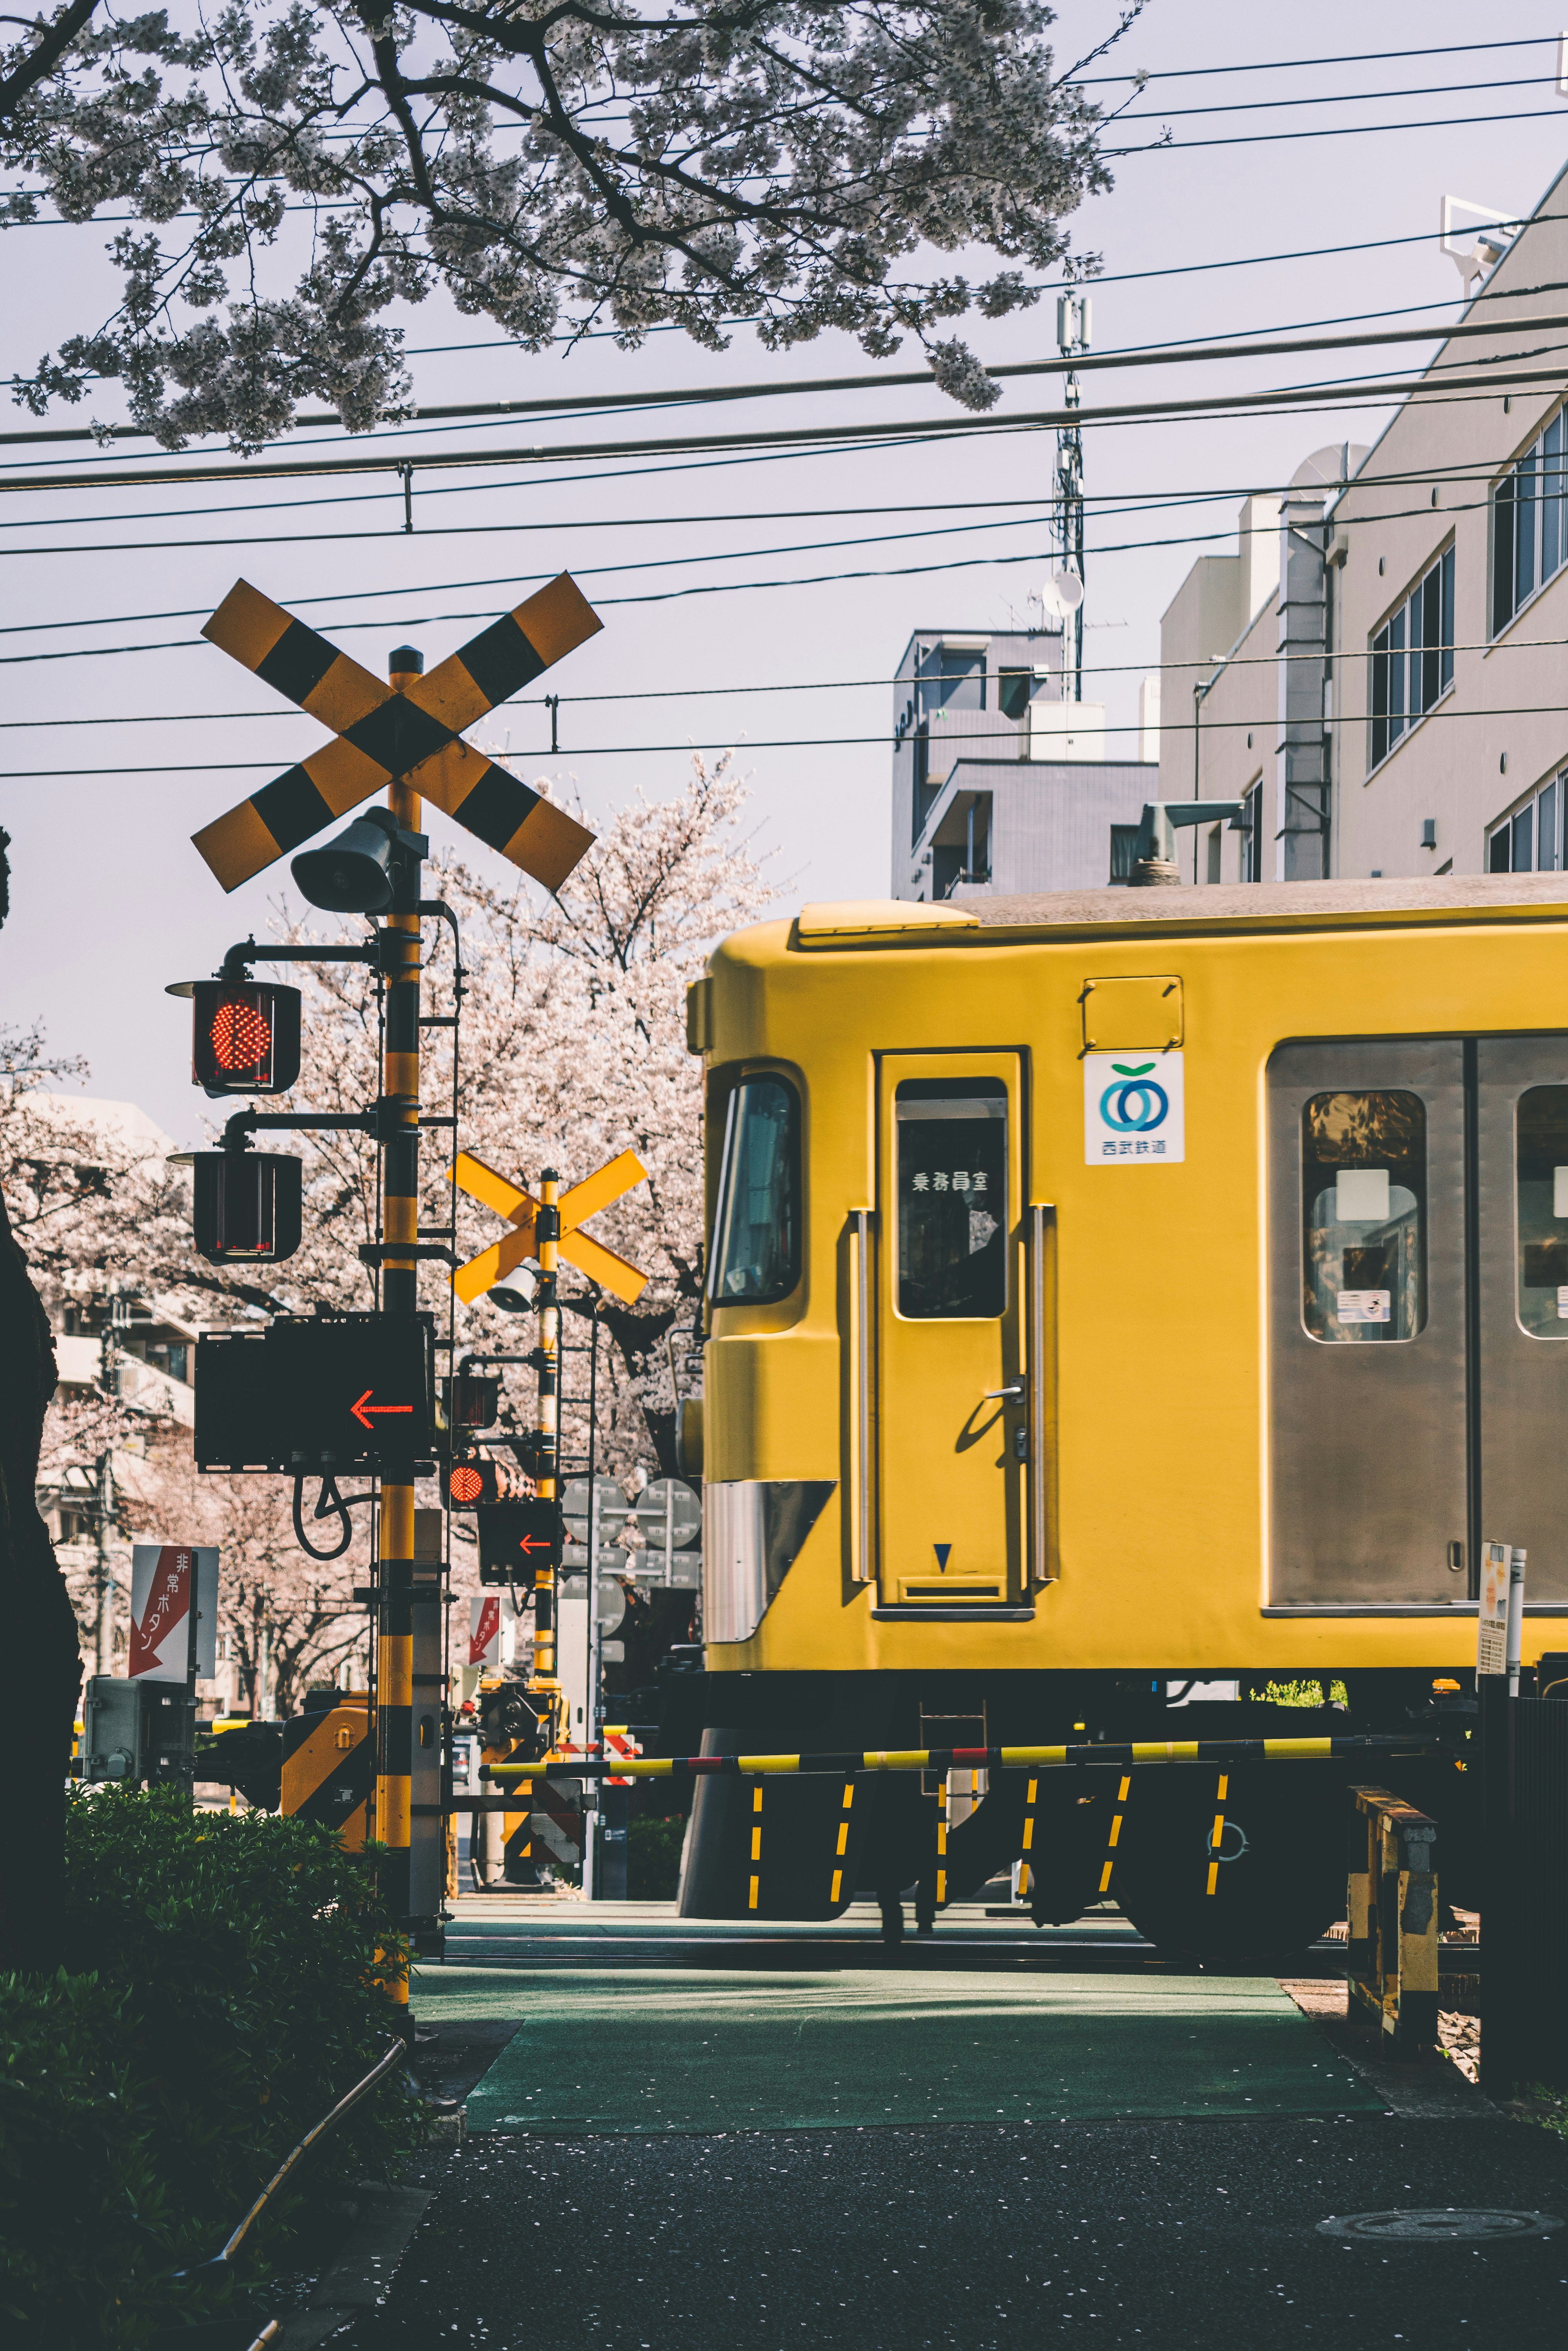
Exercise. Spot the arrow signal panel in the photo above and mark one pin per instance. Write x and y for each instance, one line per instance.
(515, 1538)
(315, 1394)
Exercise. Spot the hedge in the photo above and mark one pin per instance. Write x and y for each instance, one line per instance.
(226, 1980)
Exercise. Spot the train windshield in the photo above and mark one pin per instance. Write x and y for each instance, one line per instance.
(952, 1198)
(1541, 1179)
(1363, 1196)
(757, 1231)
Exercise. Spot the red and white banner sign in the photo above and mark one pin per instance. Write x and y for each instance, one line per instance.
(484, 1631)
(166, 1580)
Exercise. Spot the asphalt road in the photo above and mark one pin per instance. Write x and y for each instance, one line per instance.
(1171, 2234)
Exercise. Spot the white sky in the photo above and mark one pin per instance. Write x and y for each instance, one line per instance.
(110, 900)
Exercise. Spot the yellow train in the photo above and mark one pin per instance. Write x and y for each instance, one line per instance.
(1112, 1296)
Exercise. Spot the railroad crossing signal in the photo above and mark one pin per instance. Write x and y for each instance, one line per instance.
(521, 1210)
(385, 732)
(517, 1539)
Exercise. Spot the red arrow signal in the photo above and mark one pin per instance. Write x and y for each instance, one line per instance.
(532, 1542)
(364, 1408)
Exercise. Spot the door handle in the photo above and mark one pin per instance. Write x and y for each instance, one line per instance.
(1015, 1389)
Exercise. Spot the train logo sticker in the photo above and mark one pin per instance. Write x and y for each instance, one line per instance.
(1134, 1109)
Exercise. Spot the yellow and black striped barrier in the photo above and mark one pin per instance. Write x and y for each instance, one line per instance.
(327, 1768)
(1120, 1754)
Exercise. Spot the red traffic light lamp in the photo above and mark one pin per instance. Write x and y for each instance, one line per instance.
(469, 1484)
(247, 1206)
(244, 1035)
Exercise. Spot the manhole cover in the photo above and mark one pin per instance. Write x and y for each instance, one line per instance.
(1443, 2226)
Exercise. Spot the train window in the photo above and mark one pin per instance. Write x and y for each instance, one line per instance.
(952, 1197)
(1364, 1199)
(757, 1231)
(1542, 1197)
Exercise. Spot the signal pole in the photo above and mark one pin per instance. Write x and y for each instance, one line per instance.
(548, 1238)
(395, 1661)
(1073, 329)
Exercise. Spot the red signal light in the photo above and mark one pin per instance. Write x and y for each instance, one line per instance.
(467, 1484)
(241, 1036)
(245, 1039)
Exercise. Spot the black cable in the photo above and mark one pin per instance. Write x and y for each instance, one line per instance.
(329, 1504)
(887, 738)
(1326, 130)
(1340, 98)
(1356, 57)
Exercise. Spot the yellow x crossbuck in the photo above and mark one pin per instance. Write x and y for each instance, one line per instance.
(520, 1209)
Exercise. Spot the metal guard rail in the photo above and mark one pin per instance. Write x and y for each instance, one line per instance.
(396, 2055)
(963, 1759)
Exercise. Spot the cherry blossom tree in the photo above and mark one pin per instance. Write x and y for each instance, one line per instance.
(291, 173)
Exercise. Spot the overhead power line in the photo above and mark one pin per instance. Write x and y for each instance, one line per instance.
(1329, 131)
(1292, 65)
(1356, 392)
(738, 743)
(1083, 363)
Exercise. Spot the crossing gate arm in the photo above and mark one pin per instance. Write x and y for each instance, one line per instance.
(947, 1759)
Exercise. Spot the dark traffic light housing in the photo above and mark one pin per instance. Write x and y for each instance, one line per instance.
(515, 1538)
(467, 1485)
(244, 1036)
(248, 1205)
(318, 1395)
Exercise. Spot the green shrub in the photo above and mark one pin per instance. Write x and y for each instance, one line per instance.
(85, 2235)
(653, 1858)
(226, 1982)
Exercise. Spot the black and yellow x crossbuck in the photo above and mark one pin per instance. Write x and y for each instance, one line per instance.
(414, 730)
(521, 1210)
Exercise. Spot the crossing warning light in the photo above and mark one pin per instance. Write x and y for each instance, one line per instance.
(244, 1036)
(247, 1206)
(468, 1484)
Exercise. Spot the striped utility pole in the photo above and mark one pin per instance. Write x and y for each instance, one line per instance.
(401, 1606)
(546, 1240)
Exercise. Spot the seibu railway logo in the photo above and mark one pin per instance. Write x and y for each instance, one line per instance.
(1134, 1109)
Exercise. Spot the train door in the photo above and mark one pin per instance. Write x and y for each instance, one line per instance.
(952, 1420)
(1368, 1341)
(1522, 1252)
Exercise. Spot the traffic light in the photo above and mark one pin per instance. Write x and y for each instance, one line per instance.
(470, 1400)
(468, 1484)
(247, 1205)
(317, 1394)
(244, 1036)
(516, 1537)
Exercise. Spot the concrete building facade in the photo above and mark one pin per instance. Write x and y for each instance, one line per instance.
(1388, 699)
(999, 782)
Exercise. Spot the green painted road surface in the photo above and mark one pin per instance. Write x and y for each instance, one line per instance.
(652, 2049)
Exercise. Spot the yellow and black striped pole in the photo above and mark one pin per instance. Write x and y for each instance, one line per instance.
(395, 1730)
(546, 1240)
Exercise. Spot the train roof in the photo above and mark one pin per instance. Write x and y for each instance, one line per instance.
(1450, 898)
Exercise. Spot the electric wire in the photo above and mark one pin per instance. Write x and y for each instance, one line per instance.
(1196, 351)
(886, 737)
(1327, 130)
(1356, 57)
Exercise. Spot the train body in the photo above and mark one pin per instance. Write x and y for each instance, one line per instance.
(1118, 1303)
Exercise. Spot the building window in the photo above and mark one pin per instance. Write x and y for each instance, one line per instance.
(1529, 840)
(1413, 657)
(957, 680)
(1124, 840)
(1528, 540)
(1013, 688)
(1252, 838)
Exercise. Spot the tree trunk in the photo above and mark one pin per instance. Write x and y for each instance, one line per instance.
(41, 1637)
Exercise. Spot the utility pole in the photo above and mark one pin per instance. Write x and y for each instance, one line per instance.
(1073, 335)
(407, 1636)
(547, 1241)
(109, 1346)
(593, 1792)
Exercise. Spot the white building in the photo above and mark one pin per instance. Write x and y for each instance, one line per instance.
(1377, 672)
(1000, 781)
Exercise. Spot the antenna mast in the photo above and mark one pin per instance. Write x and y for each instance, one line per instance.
(1074, 322)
